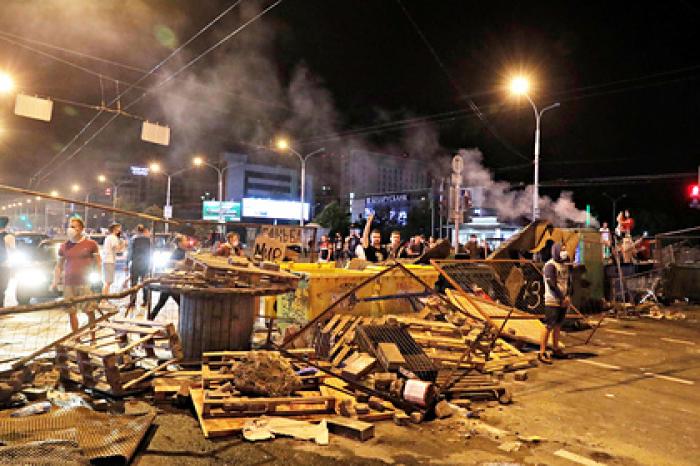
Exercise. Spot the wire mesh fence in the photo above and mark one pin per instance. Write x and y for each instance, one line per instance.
(515, 283)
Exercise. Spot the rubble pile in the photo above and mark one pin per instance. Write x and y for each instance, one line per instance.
(263, 373)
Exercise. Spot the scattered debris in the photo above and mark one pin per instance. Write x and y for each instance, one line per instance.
(265, 427)
(510, 447)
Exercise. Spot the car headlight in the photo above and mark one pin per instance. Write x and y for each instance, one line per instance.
(17, 258)
(161, 258)
(31, 278)
(94, 278)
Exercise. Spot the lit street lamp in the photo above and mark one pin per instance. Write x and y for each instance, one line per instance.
(282, 144)
(7, 84)
(198, 162)
(155, 168)
(520, 86)
(115, 190)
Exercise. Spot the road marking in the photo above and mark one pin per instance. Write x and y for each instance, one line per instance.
(577, 458)
(674, 340)
(669, 378)
(600, 364)
(621, 332)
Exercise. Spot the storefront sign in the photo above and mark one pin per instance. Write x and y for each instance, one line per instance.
(230, 211)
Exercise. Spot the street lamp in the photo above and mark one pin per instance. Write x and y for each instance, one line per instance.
(198, 162)
(7, 84)
(520, 85)
(282, 144)
(156, 169)
(614, 204)
(115, 189)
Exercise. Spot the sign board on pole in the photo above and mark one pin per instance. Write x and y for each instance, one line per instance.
(457, 164)
(269, 249)
(157, 134)
(168, 211)
(228, 211)
(139, 171)
(33, 107)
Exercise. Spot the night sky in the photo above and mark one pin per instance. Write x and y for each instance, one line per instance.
(626, 75)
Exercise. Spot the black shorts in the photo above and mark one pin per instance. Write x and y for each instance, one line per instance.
(553, 316)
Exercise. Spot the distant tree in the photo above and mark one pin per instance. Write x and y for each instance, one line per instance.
(418, 219)
(335, 217)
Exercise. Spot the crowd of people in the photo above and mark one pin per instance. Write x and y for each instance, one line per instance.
(369, 246)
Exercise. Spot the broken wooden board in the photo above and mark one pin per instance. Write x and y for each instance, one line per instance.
(350, 428)
(389, 356)
(520, 326)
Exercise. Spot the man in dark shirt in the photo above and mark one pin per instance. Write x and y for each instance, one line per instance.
(374, 251)
(7, 245)
(176, 260)
(139, 260)
(396, 250)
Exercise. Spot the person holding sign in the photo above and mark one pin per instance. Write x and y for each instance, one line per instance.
(232, 246)
(374, 251)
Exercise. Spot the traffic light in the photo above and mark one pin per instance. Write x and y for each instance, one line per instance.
(694, 194)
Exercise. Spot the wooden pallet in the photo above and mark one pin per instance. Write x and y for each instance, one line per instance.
(118, 356)
(224, 271)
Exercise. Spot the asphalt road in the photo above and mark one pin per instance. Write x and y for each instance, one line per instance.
(629, 398)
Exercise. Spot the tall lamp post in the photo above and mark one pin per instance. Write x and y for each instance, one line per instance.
(115, 191)
(520, 86)
(282, 144)
(198, 162)
(614, 204)
(157, 169)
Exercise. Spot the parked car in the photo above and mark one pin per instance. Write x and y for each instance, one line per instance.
(27, 243)
(33, 277)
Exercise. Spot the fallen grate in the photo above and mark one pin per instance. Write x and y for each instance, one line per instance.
(369, 336)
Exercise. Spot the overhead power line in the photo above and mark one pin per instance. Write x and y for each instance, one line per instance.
(166, 80)
(616, 180)
(120, 95)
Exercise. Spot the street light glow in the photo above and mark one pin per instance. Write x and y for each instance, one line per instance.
(54, 193)
(75, 188)
(155, 167)
(197, 161)
(282, 144)
(7, 84)
(519, 85)
(101, 178)
(38, 198)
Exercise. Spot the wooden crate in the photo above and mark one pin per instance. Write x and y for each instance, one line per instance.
(118, 356)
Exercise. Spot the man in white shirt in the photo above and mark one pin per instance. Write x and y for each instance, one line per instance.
(113, 245)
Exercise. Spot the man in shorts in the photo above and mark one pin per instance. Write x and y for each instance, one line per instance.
(114, 245)
(77, 258)
(557, 299)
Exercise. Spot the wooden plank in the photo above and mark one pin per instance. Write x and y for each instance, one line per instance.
(390, 356)
(350, 428)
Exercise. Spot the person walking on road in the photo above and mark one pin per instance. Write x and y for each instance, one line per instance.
(557, 300)
(77, 258)
(139, 261)
(7, 245)
(176, 261)
(114, 245)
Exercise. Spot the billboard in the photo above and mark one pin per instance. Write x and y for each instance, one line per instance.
(271, 208)
(230, 211)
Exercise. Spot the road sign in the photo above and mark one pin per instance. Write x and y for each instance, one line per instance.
(457, 164)
(168, 211)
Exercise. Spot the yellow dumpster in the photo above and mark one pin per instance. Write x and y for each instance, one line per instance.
(323, 284)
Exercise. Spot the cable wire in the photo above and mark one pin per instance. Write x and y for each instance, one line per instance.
(120, 95)
(166, 80)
